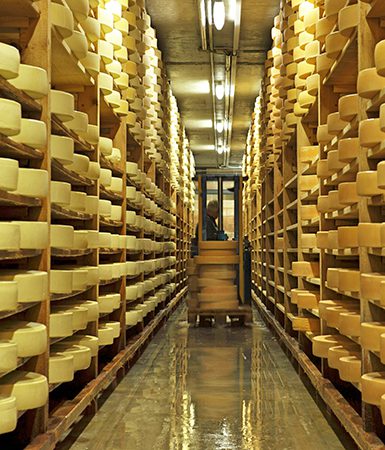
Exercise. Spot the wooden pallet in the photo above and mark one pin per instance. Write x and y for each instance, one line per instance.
(240, 316)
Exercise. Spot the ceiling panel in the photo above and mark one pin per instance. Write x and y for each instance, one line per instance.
(189, 70)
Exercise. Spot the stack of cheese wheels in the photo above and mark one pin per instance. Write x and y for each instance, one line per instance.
(216, 266)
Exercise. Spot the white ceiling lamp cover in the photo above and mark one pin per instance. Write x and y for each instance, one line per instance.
(220, 126)
(220, 91)
(220, 149)
(219, 14)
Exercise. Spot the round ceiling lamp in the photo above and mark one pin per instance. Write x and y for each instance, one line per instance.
(219, 13)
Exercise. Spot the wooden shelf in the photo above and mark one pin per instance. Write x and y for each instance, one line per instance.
(109, 195)
(12, 149)
(9, 256)
(21, 307)
(58, 212)
(61, 173)
(7, 90)
(16, 200)
(60, 129)
(64, 253)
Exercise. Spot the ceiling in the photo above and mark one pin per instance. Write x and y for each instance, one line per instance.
(178, 32)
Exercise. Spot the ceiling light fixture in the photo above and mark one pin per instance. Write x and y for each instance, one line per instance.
(220, 127)
(219, 13)
(233, 9)
(203, 12)
(220, 91)
(220, 149)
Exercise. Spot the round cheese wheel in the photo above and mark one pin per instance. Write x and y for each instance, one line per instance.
(81, 354)
(9, 172)
(369, 83)
(350, 368)
(91, 26)
(32, 183)
(115, 327)
(30, 389)
(10, 236)
(105, 335)
(60, 193)
(60, 368)
(30, 337)
(322, 343)
(61, 281)
(92, 64)
(60, 324)
(62, 105)
(62, 149)
(8, 413)
(10, 61)
(32, 80)
(79, 122)
(33, 133)
(10, 117)
(33, 235)
(8, 357)
(91, 342)
(373, 387)
(80, 9)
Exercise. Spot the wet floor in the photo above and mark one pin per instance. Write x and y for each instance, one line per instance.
(210, 389)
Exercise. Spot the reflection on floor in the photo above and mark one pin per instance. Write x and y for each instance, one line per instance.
(210, 389)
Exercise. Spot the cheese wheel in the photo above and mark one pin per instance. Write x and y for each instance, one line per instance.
(370, 335)
(32, 80)
(61, 281)
(322, 343)
(115, 327)
(108, 303)
(332, 277)
(62, 105)
(78, 44)
(348, 106)
(79, 122)
(348, 237)
(305, 299)
(9, 172)
(10, 61)
(350, 324)
(323, 170)
(80, 9)
(10, 236)
(334, 200)
(373, 387)
(370, 133)
(369, 83)
(33, 235)
(308, 240)
(60, 324)
(8, 356)
(92, 205)
(32, 286)
(333, 162)
(30, 389)
(133, 317)
(335, 43)
(347, 193)
(369, 234)
(30, 337)
(62, 149)
(323, 204)
(60, 193)
(339, 351)
(349, 280)
(348, 149)
(92, 64)
(333, 239)
(322, 240)
(371, 285)
(93, 170)
(32, 183)
(33, 133)
(78, 307)
(308, 182)
(367, 184)
(79, 315)
(91, 27)
(105, 335)
(8, 413)
(306, 269)
(350, 368)
(335, 124)
(81, 355)
(91, 342)
(308, 153)
(78, 201)
(60, 368)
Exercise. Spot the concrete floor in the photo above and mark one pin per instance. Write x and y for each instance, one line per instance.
(210, 389)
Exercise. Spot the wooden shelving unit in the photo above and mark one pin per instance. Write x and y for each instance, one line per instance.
(150, 154)
(307, 143)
